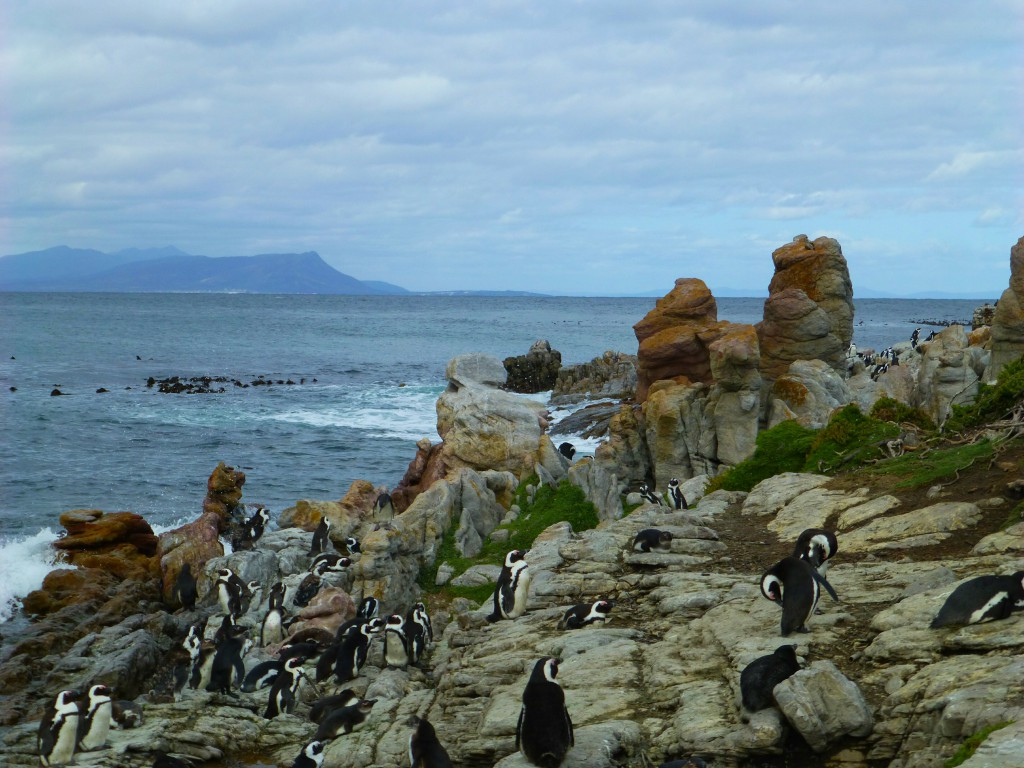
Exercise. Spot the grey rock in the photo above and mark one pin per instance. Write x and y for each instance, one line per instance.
(823, 705)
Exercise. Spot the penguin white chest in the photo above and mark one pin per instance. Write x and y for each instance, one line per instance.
(395, 653)
(64, 746)
(521, 580)
(100, 727)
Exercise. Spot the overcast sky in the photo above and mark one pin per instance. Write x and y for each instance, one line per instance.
(562, 147)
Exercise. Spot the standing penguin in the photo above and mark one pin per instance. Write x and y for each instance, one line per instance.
(513, 585)
(425, 751)
(418, 615)
(58, 730)
(585, 614)
(816, 546)
(397, 648)
(793, 583)
(759, 678)
(272, 628)
(229, 592)
(985, 598)
(383, 508)
(544, 731)
(311, 756)
(675, 495)
(94, 718)
(184, 591)
(320, 537)
(650, 539)
(285, 687)
(649, 495)
(568, 450)
(227, 662)
(354, 648)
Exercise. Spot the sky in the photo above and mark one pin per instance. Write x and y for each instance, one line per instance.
(577, 148)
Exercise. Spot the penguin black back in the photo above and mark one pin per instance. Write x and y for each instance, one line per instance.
(327, 704)
(544, 732)
(320, 537)
(344, 720)
(759, 678)
(185, 588)
(311, 756)
(650, 539)
(425, 751)
(795, 584)
(984, 598)
(585, 614)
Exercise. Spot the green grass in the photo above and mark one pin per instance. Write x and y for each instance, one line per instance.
(993, 402)
(888, 409)
(566, 503)
(915, 470)
(783, 448)
(971, 744)
(1015, 516)
(850, 438)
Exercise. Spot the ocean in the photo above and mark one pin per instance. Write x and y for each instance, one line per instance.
(367, 372)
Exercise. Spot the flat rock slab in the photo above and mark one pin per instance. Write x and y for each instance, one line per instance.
(921, 527)
(869, 510)
(597, 746)
(811, 509)
(772, 494)
(823, 705)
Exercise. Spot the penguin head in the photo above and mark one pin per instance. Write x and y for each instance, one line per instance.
(365, 705)
(66, 701)
(673, 483)
(603, 606)
(225, 574)
(549, 668)
(254, 586)
(664, 537)
(294, 663)
(514, 557)
(787, 653)
(313, 749)
(771, 587)
(100, 693)
(396, 622)
(373, 626)
(353, 544)
(368, 608)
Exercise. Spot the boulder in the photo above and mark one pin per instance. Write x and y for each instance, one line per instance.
(794, 328)
(950, 372)
(1008, 319)
(674, 424)
(224, 493)
(823, 705)
(601, 486)
(345, 515)
(427, 467)
(922, 527)
(536, 371)
(625, 453)
(484, 427)
(674, 337)
(119, 543)
(808, 391)
(194, 543)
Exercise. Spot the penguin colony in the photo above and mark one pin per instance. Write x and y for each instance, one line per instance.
(74, 722)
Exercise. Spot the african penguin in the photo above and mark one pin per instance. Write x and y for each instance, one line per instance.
(272, 627)
(184, 591)
(344, 720)
(94, 717)
(311, 756)
(650, 539)
(261, 676)
(58, 730)
(544, 732)
(759, 678)
(352, 545)
(793, 583)
(586, 614)
(126, 714)
(229, 591)
(816, 546)
(329, 562)
(397, 648)
(568, 450)
(327, 704)
(675, 495)
(418, 615)
(354, 648)
(320, 537)
(285, 687)
(425, 751)
(369, 608)
(228, 660)
(307, 590)
(513, 586)
(383, 508)
(983, 598)
(649, 495)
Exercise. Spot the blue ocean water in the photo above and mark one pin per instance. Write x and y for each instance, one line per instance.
(373, 368)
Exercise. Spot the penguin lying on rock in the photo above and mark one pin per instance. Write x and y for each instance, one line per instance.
(586, 614)
(650, 539)
(985, 598)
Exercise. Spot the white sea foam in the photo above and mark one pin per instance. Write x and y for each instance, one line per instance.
(24, 563)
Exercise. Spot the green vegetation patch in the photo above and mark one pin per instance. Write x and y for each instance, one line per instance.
(993, 402)
(566, 503)
(888, 409)
(971, 744)
(849, 439)
(783, 448)
(926, 468)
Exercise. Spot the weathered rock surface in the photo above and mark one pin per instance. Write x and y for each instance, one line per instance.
(1008, 320)
(224, 493)
(613, 374)
(536, 371)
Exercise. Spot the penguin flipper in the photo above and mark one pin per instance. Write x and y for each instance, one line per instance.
(568, 720)
(519, 726)
(824, 582)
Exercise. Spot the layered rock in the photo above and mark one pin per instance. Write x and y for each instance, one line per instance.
(795, 327)
(613, 374)
(1008, 320)
(224, 493)
(950, 372)
(536, 371)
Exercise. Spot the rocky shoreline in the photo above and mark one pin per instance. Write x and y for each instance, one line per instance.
(660, 681)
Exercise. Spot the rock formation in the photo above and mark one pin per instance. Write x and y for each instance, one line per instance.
(536, 371)
(613, 375)
(1008, 321)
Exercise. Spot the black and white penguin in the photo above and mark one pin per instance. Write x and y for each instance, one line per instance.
(425, 751)
(354, 648)
(544, 731)
(184, 591)
(329, 562)
(759, 678)
(250, 595)
(307, 590)
(285, 688)
(229, 592)
(199, 678)
(816, 546)
(304, 650)
(126, 714)
(397, 647)
(228, 664)
(58, 730)
(513, 586)
(311, 756)
(369, 608)
(383, 508)
(272, 626)
(675, 495)
(984, 598)
(568, 450)
(915, 338)
(94, 716)
(418, 615)
(327, 704)
(650, 539)
(649, 495)
(261, 676)
(793, 583)
(227, 628)
(344, 720)
(352, 545)
(321, 538)
(585, 614)
(251, 531)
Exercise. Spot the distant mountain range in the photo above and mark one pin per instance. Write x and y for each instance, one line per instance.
(171, 270)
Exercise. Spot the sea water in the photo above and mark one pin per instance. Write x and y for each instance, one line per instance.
(367, 373)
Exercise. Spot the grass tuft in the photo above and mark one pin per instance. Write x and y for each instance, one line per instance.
(915, 470)
(971, 744)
